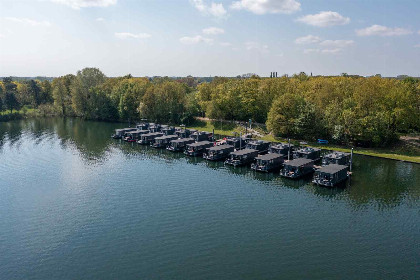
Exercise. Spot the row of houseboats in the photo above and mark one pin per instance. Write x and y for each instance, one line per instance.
(261, 155)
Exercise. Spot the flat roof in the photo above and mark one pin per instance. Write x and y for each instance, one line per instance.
(258, 142)
(181, 140)
(201, 143)
(166, 137)
(152, 133)
(337, 154)
(298, 162)
(244, 152)
(269, 156)
(332, 168)
(221, 147)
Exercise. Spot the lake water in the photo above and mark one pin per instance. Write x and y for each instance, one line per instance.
(75, 204)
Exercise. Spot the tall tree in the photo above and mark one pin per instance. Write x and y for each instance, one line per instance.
(10, 99)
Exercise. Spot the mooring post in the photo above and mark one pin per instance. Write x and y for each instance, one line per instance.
(240, 141)
(213, 135)
(351, 159)
(288, 152)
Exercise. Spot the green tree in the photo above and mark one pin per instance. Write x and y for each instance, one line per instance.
(10, 99)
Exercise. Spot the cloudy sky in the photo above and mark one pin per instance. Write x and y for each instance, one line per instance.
(209, 38)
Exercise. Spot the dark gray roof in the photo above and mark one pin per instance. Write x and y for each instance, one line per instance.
(201, 143)
(308, 150)
(166, 137)
(332, 168)
(298, 162)
(221, 147)
(244, 152)
(269, 156)
(151, 134)
(337, 155)
(258, 142)
(281, 145)
(181, 140)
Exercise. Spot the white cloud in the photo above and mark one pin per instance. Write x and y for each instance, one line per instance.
(307, 51)
(77, 4)
(310, 39)
(28, 21)
(213, 31)
(127, 35)
(214, 9)
(417, 46)
(1, 36)
(100, 19)
(250, 46)
(225, 44)
(380, 30)
(195, 40)
(336, 43)
(261, 7)
(324, 19)
(331, 51)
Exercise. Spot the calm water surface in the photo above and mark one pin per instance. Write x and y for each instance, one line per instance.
(75, 204)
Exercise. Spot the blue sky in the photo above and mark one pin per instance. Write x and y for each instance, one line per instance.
(209, 38)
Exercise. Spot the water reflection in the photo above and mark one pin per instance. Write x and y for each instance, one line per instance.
(379, 182)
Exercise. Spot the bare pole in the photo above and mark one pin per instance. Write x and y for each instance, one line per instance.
(288, 152)
(351, 159)
(240, 141)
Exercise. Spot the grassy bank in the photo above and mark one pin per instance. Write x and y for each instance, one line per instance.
(401, 151)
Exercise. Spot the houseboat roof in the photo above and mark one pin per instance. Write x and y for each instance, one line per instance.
(332, 168)
(308, 150)
(258, 142)
(281, 145)
(166, 137)
(337, 155)
(140, 131)
(269, 156)
(198, 144)
(152, 133)
(221, 147)
(244, 152)
(298, 162)
(181, 140)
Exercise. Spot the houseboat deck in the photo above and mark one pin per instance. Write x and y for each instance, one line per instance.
(297, 168)
(268, 162)
(330, 175)
(336, 158)
(179, 145)
(242, 157)
(220, 152)
(198, 148)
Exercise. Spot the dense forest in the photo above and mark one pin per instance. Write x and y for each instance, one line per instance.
(371, 111)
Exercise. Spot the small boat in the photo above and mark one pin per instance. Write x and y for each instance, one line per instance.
(308, 153)
(179, 145)
(148, 138)
(120, 133)
(198, 148)
(297, 168)
(242, 157)
(281, 149)
(202, 136)
(260, 145)
(268, 162)
(133, 136)
(322, 141)
(218, 152)
(336, 158)
(163, 141)
(330, 175)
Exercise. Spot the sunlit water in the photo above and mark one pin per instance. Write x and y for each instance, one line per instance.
(75, 204)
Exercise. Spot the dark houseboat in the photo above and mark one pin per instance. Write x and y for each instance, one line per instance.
(242, 157)
(281, 149)
(218, 152)
(179, 145)
(142, 126)
(268, 162)
(169, 130)
(260, 145)
(163, 141)
(202, 136)
(308, 153)
(184, 133)
(330, 175)
(154, 127)
(336, 158)
(148, 138)
(133, 136)
(297, 168)
(120, 133)
(198, 148)
(238, 143)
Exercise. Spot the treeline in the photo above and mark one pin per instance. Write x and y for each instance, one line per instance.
(370, 111)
